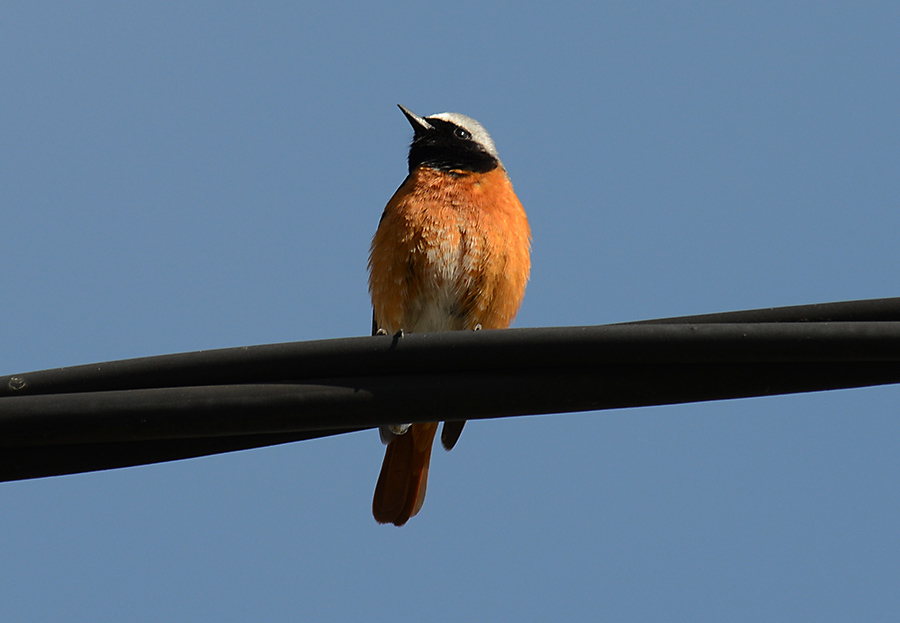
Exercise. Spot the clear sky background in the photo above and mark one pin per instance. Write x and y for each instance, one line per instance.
(185, 176)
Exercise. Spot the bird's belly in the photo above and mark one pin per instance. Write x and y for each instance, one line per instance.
(437, 308)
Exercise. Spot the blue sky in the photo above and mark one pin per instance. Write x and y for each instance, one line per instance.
(177, 177)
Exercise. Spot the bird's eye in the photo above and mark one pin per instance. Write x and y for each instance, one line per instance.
(462, 133)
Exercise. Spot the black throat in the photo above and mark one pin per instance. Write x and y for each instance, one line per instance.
(440, 148)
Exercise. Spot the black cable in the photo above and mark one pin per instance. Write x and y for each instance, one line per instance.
(154, 409)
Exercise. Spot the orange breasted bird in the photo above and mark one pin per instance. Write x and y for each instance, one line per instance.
(451, 253)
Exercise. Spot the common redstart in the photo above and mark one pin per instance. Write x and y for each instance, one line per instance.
(451, 253)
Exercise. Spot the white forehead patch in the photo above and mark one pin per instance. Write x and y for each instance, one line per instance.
(479, 134)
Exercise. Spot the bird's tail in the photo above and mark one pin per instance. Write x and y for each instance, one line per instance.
(400, 491)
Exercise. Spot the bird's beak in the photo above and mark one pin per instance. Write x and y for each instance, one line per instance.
(418, 123)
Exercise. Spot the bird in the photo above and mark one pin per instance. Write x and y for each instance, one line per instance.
(452, 252)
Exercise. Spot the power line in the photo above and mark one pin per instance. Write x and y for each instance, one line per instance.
(153, 409)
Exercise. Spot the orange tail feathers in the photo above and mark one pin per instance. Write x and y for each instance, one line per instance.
(400, 491)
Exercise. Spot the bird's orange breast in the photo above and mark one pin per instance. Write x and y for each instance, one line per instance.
(452, 251)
